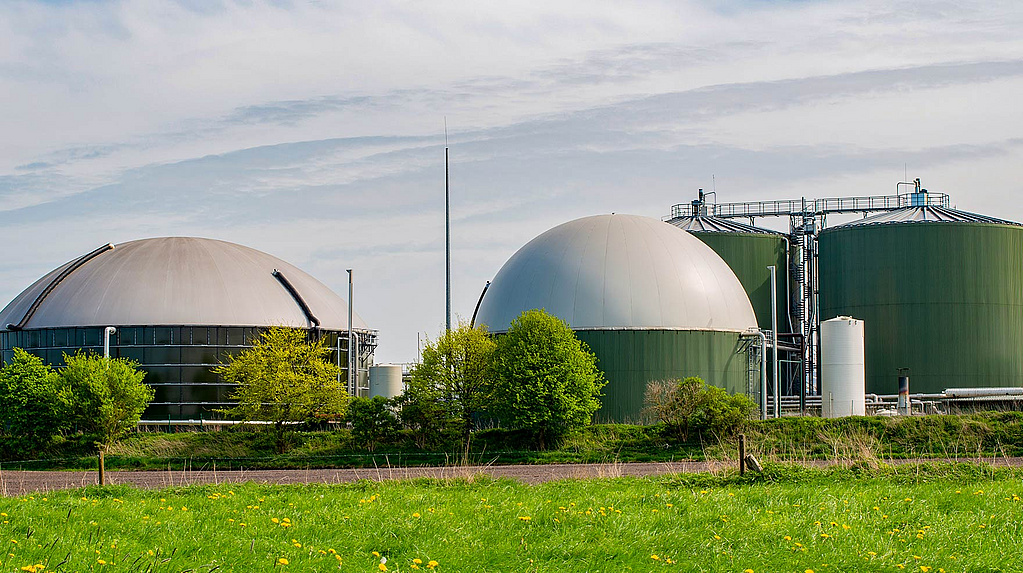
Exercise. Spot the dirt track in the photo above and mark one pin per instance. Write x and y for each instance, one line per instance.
(14, 483)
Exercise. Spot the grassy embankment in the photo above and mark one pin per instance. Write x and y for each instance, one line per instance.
(991, 434)
(948, 518)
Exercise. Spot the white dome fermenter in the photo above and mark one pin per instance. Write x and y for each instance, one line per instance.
(181, 305)
(650, 300)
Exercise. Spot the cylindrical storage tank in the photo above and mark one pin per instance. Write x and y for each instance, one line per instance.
(748, 251)
(385, 380)
(842, 368)
(651, 301)
(940, 292)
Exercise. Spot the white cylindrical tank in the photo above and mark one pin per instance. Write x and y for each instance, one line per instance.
(843, 377)
(385, 380)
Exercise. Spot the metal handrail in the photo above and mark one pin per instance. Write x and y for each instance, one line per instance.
(787, 207)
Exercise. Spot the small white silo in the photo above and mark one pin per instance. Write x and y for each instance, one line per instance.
(385, 380)
(843, 376)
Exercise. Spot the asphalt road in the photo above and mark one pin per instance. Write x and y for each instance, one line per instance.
(15, 483)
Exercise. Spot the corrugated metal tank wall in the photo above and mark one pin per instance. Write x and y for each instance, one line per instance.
(749, 255)
(631, 358)
(944, 299)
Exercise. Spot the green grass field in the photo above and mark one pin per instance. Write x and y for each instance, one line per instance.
(955, 518)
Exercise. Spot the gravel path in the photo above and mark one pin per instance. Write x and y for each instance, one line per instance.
(14, 483)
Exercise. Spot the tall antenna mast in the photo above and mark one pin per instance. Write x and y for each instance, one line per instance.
(447, 231)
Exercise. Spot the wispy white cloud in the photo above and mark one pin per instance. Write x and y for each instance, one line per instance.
(314, 130)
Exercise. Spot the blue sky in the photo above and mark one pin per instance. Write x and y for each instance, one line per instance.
(314, 130)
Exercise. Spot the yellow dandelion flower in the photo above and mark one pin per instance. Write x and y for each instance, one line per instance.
(747, 571)
(416, 514)
(655, 557)
(432, 564)
(275, 520)
(787, 538)
(925, 568)
(524, 518)
(282, 561)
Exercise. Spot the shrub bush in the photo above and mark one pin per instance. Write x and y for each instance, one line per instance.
(372, 422)
(690, 406)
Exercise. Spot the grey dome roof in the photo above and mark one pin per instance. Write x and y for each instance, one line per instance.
(707, 224)
(619, 271)
(177, 281)
(925, 214)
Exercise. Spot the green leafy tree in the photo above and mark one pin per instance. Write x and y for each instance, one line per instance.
(29, 402)
(285, 379)
(450, 381)
(103, 397)
(372, 421)
(545, 379)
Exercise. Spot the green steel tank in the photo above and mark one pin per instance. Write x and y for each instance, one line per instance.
(940, 292)
(748, 251)
(651, 301)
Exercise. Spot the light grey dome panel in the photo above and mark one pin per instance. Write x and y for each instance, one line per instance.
(707, 224)
(619, 271)
(179, 281)
(925, 214)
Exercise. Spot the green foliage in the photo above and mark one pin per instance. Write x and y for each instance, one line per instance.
(103, 397)
(372, 421)
(425, 416)
(545, 379)
(448, 385)
(285, 379)
(966, 521)
(29, 404)
(690, 404)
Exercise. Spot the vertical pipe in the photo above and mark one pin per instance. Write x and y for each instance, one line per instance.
(106, 340)
(447, 243)
(351, 289)
(903, 407)
(355, 361)
(763, 373)
(774, 340)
